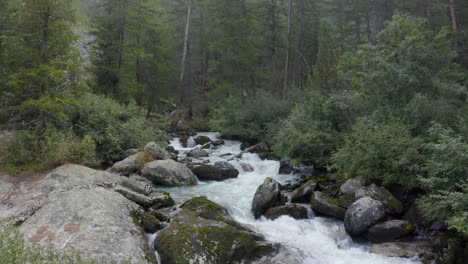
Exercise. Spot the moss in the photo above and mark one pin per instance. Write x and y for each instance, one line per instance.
(333, 201)
(407, 226)
(206, 208)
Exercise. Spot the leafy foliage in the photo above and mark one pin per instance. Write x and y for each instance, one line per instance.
(114, 127)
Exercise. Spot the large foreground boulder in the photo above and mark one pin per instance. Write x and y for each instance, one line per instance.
(402, 249)
(292, 210)
(390, 203)
(82, 213)
(169, 173)
(268, 195)
(362, 214)
(389, 231)
(204, 232)
(327, 205)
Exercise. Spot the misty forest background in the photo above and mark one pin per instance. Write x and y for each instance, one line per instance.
(376, 88)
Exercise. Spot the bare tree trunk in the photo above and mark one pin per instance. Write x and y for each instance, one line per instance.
(358, 30)
(368, 28)
(288, 51)
(181, 90)
(453, 14)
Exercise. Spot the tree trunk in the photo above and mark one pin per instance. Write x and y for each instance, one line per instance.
(453, 14)
(123, 21)
(368, 28)
(181, 89)
(357, 25)
(288, 51)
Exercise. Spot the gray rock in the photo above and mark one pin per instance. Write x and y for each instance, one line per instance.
(68, 177)
(246, 167)
(362, 214)
(169, 173)
(126, 166)
(227, 169)
(402, 249)
(292, 210)
(217, 172)
(95, 222)
(204, 232)
(285, 167)
(389, 231)
(390, 203)
(201, 140)
(304, 192)
(154, 200)
(352, 185)
(157, 152)
(197, 153)
(217, 142)
(268, 195)
(136, 186)
(326, 205)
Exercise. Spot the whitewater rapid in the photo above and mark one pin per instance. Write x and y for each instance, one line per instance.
(316, 240)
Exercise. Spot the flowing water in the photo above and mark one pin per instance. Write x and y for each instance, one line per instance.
(316, 240)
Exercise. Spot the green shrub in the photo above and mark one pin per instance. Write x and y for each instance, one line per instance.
(51, 148)
(381, 151)
(248, 118)
(114, 127)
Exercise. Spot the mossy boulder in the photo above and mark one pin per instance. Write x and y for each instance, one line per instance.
(345, 201)
(390, 203)
(201, 140)
(326, 205)
(150, 223)
(204, 232)
(304, 192)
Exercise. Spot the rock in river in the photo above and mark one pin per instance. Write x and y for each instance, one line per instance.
(222, 170)
(204, 232)
(197, 153)
(362, 214)
(389, 231)
(268, 195)
(327, 205)
(390, 203)
(169, 173)
(304, 192)
(292, 210)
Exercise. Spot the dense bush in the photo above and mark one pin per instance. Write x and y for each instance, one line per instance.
(50, 148)
(114, 127)
(248, 117)
(381, 151)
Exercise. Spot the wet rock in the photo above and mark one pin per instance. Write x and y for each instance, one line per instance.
(204, 232)
(136, 186)
(390, 203)
(227, 169)
(183, 140)
(157, 152)
(218, 172)
(402, 249)
(150, 223)
(160, 216)
(362, 214)
(169, 173)
(352, 185)
(326, 205)
(197, 153)
(217, 142)
(285, 167)
(389, 231)
(268, 195)
(161, 199)
(260, 148)
(96, 222)
(246, 167)
(201, 140)
(304, 192)
(126, 166)
(292, 210)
